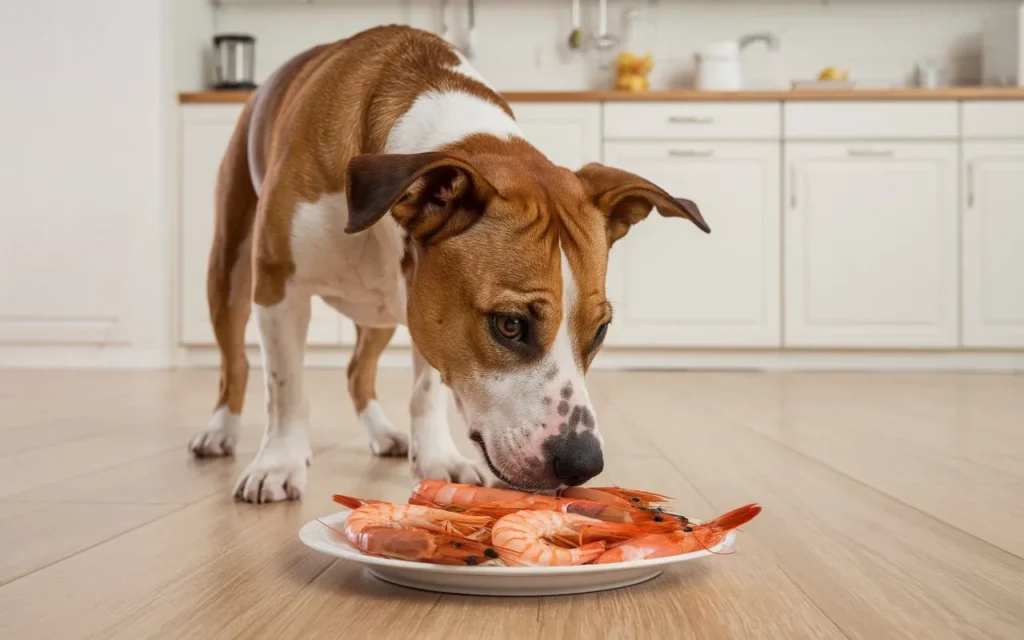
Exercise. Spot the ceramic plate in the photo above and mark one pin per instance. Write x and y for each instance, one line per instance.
(494, 581)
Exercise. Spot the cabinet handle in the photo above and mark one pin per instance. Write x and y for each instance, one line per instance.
(970, 185)
(869, 153)
(691, 119)
(691, 153)
(792, 186)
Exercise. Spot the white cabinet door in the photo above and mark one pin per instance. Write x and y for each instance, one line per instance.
(205, 132)
(673, 285)
(569, 134)
(871, 245)
(993, 245)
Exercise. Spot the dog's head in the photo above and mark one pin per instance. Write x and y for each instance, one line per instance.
(507, 297)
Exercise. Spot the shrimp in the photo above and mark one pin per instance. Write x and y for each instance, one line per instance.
(624, 499)
(552, 538)
(452, 496)
(616, 496)
(691, 538)
(500, 502)
(416, 533)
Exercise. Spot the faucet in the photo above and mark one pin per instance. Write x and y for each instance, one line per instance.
(770, 40)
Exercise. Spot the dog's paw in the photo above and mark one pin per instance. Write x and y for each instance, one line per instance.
(385, 440)
(278, 473)
(448, 467)
(219, 436)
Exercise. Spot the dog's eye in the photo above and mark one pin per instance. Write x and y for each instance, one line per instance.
(509, 327)
(599, 336)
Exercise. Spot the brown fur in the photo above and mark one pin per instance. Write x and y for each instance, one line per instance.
(488, 216)
(362, 368)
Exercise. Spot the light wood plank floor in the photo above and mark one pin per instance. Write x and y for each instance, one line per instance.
(894, 508)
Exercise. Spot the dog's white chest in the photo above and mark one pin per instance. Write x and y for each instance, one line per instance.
(358, 274)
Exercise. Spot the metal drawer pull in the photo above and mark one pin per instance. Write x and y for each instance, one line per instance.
(691, 153)
(869, 153)
(691, 119)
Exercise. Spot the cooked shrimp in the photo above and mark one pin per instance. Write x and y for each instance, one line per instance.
(452, 496)
(412, 532)
(691, 538)
(552, 538)
(616, 496)
(500, 502)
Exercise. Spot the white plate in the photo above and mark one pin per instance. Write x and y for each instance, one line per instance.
(494, 581)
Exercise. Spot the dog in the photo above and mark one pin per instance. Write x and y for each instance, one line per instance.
(385, 175)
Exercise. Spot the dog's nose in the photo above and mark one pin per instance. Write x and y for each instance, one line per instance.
(575, 458)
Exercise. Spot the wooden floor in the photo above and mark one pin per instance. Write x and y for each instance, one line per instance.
(894, 508)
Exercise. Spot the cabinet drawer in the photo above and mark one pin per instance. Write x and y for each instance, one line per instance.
(855, 120)
(994, 119)
(692, 121)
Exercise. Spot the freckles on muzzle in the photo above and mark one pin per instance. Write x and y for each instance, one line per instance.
(575, 454)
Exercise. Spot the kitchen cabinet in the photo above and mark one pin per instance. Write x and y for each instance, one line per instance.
(870, 244)
(569, 134)
(993, 244)
(205, 132)
(673, 285)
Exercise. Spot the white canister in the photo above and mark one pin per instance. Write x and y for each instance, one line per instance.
(718, 67)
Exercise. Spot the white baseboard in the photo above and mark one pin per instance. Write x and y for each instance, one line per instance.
(82, 357)
(670, 359)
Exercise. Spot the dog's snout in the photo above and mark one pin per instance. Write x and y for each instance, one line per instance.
(575, 458)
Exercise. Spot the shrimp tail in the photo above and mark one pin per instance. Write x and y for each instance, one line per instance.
(733, 519)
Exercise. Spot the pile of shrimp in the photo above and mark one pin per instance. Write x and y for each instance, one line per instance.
(459, 524)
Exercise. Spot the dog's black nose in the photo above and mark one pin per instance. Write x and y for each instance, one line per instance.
(575, 458)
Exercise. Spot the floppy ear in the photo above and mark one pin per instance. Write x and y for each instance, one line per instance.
(626, 199)
(433, 195)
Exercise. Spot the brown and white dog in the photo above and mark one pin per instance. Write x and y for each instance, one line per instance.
(383, 174)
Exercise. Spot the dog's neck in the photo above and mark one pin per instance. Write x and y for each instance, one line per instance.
(438, 119)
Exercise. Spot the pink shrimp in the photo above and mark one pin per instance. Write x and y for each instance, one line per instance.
(691, 538)
(553, 538)
(416, 533)
(500, 502)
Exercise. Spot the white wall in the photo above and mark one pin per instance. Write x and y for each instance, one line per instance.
(85, 177)
(880, 41)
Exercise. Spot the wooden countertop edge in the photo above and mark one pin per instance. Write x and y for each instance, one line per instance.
(950, 93)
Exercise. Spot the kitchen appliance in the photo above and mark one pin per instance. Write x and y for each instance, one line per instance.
(718, 65)
(235, 56)
(1002, 56)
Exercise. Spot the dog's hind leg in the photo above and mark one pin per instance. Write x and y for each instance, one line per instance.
(229, 292)
(362, 379)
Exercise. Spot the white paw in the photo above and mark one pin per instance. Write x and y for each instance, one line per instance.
(219, 436)
(449, 466)
(278, 473)
(385, 440)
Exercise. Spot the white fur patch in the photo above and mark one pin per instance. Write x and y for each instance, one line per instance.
(358, 274)
(384, 439)
(219, 436)
(438, 118)
(279, 470)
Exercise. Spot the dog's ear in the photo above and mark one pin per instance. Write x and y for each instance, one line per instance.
(433, 195)
(626, 199)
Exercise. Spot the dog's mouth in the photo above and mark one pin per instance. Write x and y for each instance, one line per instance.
(478, 438)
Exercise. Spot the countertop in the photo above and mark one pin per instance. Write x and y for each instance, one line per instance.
(947, 93)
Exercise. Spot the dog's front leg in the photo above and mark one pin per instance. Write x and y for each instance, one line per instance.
(434, 455)
(279, 470)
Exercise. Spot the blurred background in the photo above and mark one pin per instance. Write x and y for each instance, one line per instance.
(840, 235)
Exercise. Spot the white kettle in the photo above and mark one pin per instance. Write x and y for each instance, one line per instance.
(718, 65)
